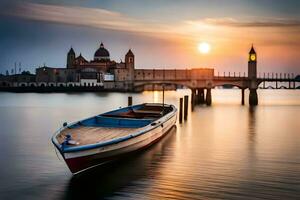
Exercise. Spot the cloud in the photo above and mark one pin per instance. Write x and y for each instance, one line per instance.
(217, 30)
(106, 19)
(231, 22)
(81, 16)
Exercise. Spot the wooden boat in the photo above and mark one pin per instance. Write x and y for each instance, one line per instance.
(105, 137)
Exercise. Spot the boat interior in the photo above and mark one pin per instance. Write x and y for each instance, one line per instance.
(113, 124)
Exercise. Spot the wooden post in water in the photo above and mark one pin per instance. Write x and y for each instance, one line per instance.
(186, 105)
(193, 99)
(243, 96)
(196, 96)
(180, 110)
(163, 95)
(130, 101)
(201, 96)
(208, 96)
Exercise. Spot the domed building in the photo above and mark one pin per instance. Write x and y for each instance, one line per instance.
(101, 65)
(101, 61)
(101, 54)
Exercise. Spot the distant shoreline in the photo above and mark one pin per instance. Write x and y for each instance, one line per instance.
(59, 89)
(82, 89)
(77, 89)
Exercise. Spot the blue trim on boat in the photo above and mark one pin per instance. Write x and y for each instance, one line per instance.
(110, 142)
(106, 121)
(103, 121)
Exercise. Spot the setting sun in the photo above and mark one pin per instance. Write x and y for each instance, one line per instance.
(204, 47)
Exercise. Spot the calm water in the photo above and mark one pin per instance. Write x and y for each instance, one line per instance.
(225, 151)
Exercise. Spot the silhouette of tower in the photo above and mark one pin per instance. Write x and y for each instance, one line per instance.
(129, 62)
(252, 76)
(252, 64)
(70, 58)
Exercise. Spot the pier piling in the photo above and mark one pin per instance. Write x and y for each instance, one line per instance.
(196, 97)
(201, 96)
(243, 96)
(130, 101)
(186, 104)
(253, 100)
(208, 96)
(193, 99)
(180, 110)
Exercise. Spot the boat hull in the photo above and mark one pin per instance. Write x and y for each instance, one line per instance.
(82, 160)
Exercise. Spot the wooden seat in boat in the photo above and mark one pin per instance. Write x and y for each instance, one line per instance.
(149, 112)
(90, 135)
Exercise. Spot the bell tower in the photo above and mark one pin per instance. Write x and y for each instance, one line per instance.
(252, 64)
(70, 58)
(252, 76)
(129, 62)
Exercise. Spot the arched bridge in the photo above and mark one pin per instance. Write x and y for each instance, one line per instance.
(201, 79)
(191, 78)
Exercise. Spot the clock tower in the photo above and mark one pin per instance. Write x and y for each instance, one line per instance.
(252, 64)
(252, 76)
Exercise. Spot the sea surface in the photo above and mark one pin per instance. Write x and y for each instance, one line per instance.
(225, 151)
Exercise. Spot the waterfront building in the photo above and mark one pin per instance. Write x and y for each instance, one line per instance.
(52, 76)
(15, 80)
(103, 74)
(101, 71)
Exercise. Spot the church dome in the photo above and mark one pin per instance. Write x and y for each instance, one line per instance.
(101, 53)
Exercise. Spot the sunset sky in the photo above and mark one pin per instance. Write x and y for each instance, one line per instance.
(161, 33)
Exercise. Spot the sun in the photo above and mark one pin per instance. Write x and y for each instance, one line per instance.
(204, 47)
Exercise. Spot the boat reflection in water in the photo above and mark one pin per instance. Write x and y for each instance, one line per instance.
(104, 180)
